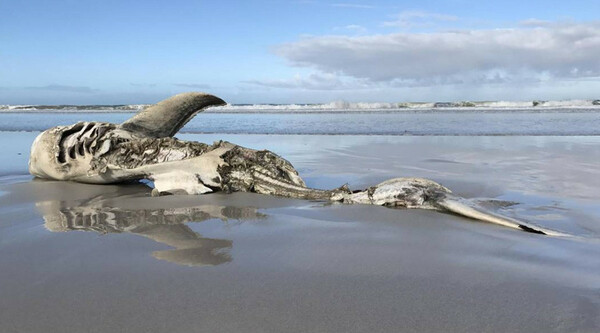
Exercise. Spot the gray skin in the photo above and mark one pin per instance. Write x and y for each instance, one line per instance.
(143, 147)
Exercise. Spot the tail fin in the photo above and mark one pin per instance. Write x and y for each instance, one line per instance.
(463, 207)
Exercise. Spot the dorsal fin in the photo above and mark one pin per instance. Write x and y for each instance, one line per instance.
(167, 117)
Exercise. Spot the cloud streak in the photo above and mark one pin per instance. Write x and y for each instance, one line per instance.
(193, 85)
(355, 28)
(532, 53)
(63, 88)
(417, 18)
(351, 5)
(143, 85)
(314, 81)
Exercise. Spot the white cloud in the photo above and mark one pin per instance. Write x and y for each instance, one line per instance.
(416, 18)
(354, 28)
(533, 22)
(315, 81)
(352, 5)
(523, 54)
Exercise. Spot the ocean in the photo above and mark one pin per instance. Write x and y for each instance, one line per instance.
(366, 120)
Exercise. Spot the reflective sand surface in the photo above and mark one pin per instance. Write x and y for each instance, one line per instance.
(91, 258)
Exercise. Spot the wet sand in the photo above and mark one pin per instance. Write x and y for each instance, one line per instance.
(85, 258)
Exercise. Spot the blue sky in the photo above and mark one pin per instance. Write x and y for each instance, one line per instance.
(124, 52)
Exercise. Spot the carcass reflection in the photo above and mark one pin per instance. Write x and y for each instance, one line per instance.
(163, 225)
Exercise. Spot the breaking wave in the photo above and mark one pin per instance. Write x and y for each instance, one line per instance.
(74, 108)
(336, 106)
(350, 106)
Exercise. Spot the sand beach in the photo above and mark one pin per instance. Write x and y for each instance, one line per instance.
(92, 258)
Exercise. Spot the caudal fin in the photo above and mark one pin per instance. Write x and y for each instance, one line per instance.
(463, 207)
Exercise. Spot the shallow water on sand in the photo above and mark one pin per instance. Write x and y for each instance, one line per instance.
(79, 257)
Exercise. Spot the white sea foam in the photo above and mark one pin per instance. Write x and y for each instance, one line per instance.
(343, 106)
(332, 106)
(15, 107)
(335, 106)
(73, 108)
